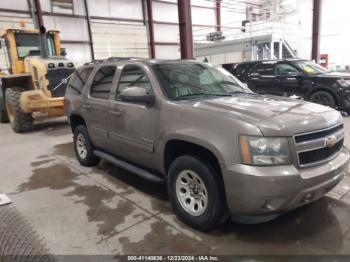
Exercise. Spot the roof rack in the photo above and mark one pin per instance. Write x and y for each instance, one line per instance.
(96, 61)
(113, 58)
(124, 58)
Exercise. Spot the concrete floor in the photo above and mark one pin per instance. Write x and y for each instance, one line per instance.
(105, 210)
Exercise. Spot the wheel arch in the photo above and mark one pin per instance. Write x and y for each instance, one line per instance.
(324, 89)
(176, 147)
(8, 81)
(76, 120)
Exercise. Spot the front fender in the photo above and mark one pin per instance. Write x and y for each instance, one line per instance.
(190, 136)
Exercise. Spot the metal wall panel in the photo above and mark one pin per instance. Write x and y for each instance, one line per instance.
(131, 9)
(119, 40)
(72, 29)
(79, 53)
(166, 33)
(167, 52)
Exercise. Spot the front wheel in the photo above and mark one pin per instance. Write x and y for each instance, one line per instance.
(323, 98)
(3, 111)
(194, 190)
(83, 147)
(20, 121)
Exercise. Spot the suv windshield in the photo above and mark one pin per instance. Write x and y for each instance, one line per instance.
(196, 80)
(311, 68)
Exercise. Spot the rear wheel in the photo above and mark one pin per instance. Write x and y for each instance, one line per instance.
(194, 190)
(323, 98)
(20, 121)
(83, 147)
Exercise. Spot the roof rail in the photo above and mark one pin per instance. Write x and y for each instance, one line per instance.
(113, 58)
(123, 58)
(97, 61)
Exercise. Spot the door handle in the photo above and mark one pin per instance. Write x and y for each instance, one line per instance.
(115, 112)
(87, 106)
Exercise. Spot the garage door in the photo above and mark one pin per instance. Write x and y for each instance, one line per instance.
(119, 40)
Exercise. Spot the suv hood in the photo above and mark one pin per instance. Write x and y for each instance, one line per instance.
(273, 115)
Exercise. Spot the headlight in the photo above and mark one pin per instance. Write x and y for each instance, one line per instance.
(343, 82)
(264, 151)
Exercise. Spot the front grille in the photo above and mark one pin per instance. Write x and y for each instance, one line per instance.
(318, 155)
(313, 147)
(320, 134)
(55, 77)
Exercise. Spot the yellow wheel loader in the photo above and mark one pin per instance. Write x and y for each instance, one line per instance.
(35, 83)
(37, 76)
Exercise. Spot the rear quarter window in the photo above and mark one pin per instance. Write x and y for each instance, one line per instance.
(78, 80)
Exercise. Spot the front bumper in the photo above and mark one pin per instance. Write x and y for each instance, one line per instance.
(267, 191)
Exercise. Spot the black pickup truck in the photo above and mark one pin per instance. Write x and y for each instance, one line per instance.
(295, 78)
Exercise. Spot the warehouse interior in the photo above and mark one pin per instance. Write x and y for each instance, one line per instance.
(56, 205)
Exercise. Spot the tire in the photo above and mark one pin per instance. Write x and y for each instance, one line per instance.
(20, 121)
(204, 219)
(3, 112)
(4, 117)
(323, 98)
(84, 150)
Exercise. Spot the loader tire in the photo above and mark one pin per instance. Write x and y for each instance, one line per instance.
(3, 112)
(20, 121)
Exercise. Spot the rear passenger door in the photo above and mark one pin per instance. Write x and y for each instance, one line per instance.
(134, 130)
(97, 105)
(261, 79)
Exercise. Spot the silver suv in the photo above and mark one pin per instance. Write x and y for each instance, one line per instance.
(220, 148)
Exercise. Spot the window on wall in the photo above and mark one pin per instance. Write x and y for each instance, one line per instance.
(62, 6)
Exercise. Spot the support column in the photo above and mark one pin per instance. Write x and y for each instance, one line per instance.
(218, 15)
(89, 30)
(185, 28)
(272, 50)
(39, 23)
(315, 54)
(151, 28)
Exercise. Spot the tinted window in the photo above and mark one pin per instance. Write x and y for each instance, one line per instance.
(264, 69)
(78, 80)
(133, 76)
(285, 70)
(102, 84)
(241, 69)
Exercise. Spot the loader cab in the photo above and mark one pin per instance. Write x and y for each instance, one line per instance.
(20, 44)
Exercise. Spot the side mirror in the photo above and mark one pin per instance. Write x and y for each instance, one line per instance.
(137, 95)
(63, 52)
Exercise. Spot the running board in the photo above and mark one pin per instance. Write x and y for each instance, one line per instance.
(131, 168)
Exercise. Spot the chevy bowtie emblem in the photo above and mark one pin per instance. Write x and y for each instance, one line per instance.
(330, 141)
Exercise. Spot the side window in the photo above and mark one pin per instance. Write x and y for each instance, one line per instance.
(264, 70)
(102, 83)
(286, 70)
(133, 75)
(78, 80)
(241, 69)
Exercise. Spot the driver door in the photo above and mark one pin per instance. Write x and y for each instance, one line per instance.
(134, 126)
(288, 80)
